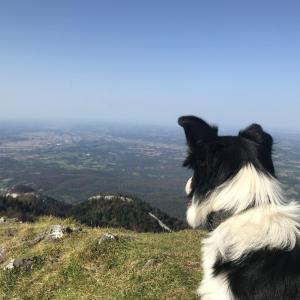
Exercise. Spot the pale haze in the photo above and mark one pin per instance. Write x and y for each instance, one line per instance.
(231, 62)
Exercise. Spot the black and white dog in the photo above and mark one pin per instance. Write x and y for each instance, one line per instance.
(253, 248)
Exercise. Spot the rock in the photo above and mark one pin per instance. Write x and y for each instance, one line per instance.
(107, 237)
(8, 220)
(37, 239)
(2, 254)
(22, 263)
(56, 232)
(68, 230)
(72, 229)
(151, 263)
(19, 262)
(9, 265)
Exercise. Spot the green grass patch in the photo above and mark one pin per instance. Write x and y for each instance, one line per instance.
(135, 266)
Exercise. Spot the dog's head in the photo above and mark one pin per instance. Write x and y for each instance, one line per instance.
(219, 163)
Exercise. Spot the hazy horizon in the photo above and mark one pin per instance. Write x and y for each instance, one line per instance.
(120, 126)
(232, 63)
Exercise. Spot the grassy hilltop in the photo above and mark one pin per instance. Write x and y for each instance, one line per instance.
(77, 266)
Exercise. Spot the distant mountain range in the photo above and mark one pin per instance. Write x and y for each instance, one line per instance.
(104, 210)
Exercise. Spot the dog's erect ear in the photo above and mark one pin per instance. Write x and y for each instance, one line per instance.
(196, 130)
(256, 134)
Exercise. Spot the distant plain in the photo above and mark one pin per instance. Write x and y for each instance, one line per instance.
(73, 162)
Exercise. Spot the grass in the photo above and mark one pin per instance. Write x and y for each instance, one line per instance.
(78, 267)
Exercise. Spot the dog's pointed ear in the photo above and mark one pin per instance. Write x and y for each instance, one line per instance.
(256, 134)
(197, 131)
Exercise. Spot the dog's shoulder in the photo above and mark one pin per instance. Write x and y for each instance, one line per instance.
(257, 228)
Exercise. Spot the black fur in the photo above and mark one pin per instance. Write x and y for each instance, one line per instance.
(216, 218)
(215, 159)
(267, 274)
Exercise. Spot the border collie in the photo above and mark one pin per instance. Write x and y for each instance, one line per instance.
(253, 248)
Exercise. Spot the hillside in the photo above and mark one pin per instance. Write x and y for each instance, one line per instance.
(122, 211)
(99, 210)
(82, 265)
(27, 205)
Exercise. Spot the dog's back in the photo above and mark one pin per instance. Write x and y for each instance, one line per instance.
(255, 255)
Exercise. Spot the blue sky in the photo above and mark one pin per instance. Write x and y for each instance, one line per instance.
(231, 62)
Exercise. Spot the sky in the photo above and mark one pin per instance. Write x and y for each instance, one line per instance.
(231, 62)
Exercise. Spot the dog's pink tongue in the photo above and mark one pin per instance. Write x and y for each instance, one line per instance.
(189, 203)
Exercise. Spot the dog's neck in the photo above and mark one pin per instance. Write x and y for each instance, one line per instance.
(214, 219)
(249, 188)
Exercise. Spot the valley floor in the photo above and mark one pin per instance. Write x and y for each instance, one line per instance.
(78, 266)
